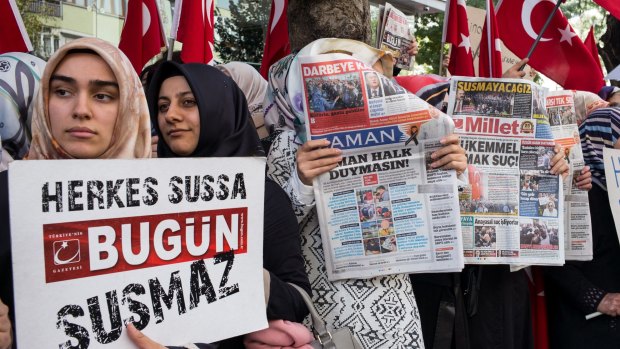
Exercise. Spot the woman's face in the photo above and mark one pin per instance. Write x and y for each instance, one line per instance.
(83, 105)
(178, 116)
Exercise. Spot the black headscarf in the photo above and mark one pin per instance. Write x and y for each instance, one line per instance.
(226, 127)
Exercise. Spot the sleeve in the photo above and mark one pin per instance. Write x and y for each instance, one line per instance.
(282, 169)
(282, 257)
(582, 293)
(615, 125)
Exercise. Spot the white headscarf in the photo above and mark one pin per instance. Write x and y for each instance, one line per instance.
(254, 88)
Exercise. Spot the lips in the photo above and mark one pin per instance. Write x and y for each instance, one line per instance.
(81, 132)
(176, 132)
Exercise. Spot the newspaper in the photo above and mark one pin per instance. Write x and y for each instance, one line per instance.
(578, 228)
(393, 35)
(511, 209)
(383, 210)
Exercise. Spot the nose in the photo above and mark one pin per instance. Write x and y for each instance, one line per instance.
(82, 108)
(173, 114)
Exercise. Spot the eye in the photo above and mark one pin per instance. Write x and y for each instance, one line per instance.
(103, 97)
(189, 103)
(163, 107)
(61, 92)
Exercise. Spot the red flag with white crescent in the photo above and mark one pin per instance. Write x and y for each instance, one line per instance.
(490, 62)
(277, 43)
(142, 36)
(195, 22)
(560, 54)
(456, 32)
(12, 29)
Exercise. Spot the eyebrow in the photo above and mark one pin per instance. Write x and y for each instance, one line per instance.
(178, 94)
(95, 83)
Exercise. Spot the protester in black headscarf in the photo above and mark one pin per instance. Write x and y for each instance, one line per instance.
(198, 111)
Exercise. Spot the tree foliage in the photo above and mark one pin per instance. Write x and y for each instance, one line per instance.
(429, 29)
(241, 36)
(34, 22)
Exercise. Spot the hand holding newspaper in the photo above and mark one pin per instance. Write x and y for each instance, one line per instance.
(383, 210)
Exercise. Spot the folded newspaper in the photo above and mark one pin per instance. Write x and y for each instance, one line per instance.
(383, 210)
(393, 35)
(577, 225)
(512, 210)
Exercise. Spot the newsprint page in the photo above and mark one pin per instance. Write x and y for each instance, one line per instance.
(512, 208)
(383, 210)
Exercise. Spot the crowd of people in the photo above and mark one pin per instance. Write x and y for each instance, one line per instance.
(91, 105)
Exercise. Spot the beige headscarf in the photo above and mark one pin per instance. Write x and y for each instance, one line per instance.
(586, 103)
(254, 88)
(132, 131)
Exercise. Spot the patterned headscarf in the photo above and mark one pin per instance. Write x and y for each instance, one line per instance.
(284, 98)
(132, 132)
(20, 74)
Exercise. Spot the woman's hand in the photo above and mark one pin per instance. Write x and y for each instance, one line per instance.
(559, 165)
(514, 72)
(413, 48)
(6, 334)
(140, 340)
(610, 305)
(154, 141)
(314, 159)
(584, 181)
(451, 156)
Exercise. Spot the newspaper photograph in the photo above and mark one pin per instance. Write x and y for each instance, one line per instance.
(511, 208)
(393, 35)
(383, 210)
(563, 121)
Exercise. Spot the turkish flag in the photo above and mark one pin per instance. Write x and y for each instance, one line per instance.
(590, 44)
(490, 61)
(143, 35)
(277, 44)
(613, 6)
(12, 29)
(560, 54)
(456, 32)
(193, 25)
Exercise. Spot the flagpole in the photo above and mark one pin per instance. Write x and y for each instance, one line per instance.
(542, 31)
(170, 48)
(443, 44)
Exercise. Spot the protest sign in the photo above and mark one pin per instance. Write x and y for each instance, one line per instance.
(612, 174)
(173, 246)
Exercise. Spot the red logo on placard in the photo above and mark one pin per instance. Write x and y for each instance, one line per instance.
(76, 250)
(66, 252)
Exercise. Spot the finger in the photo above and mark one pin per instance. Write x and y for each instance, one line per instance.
(318, 154)
(450, 139)
(561, 167)
(321, 170)
(453, 149)
(445, 160)
(311, 165)
(585, 169)
(584, 177)
(458, 166)
(140, 340)
(314, 144)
